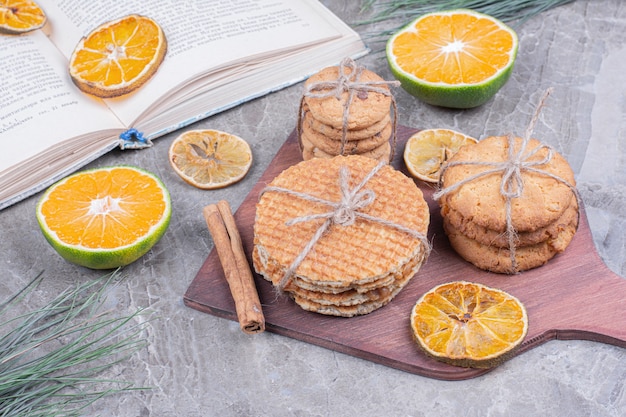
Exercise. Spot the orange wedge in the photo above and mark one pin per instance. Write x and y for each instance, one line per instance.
(20, 16)
(106, 217)
(118, 57)
(210, 159)
(469, 324)
(457, 58)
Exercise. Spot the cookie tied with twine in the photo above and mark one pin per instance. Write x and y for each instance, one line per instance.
(344, 104)
(509, 204)
(345, 241)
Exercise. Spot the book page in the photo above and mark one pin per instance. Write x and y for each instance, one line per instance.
(202, 36)
(39, 105)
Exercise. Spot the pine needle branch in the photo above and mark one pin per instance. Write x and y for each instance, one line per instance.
(51, 358)
(400, 12)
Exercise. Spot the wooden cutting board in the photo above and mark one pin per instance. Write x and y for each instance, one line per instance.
(574, 296)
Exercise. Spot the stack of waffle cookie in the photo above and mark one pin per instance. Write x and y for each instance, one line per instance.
(508, 204)
(345, 241)
(347, 110)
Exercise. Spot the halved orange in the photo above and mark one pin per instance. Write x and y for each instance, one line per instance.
(20, 16)
(427, 150)
(106, 217)
(118, 57)
(210, 159)
(469, 324)
(457, 58)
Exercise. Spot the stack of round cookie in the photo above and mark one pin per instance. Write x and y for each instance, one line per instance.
(335, 255)
(543, 214)
(346, 110)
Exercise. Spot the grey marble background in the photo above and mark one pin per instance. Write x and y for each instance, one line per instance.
(200, 365)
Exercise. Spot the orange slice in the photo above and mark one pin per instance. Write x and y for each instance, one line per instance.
(210, 159)
(469, 324)
(457, 58)
(20, 16)
(105, 218)
(118, 56)
(427, 150)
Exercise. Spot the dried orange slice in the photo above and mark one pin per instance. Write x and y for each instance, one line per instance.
(118, 56)
(427, 150)
(457, 58)
(20, 16)
(106, 217)
(469, 324)
(210, 159)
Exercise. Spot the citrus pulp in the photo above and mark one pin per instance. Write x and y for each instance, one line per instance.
(468, 324)
(210, 159)
(427, 150)
(118, 57)
(106, 217)
(20, 16)
(457, 58)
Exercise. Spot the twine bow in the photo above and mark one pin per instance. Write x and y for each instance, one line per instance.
(350, 82)
(343, 213)
(512, 183)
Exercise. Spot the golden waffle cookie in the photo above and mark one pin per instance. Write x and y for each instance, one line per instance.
(352, 296)
(346, 255)
(358, 304)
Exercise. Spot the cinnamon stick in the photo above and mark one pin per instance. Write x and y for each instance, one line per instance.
(223, 229)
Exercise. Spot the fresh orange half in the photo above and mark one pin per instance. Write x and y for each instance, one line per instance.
(106, 217)
(118, 56)
(210, 159)
(469, 324)
(427, 150)
(458, 58)
(20, 16)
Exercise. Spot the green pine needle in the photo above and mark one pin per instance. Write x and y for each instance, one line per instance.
(401, 12)
(50, 358)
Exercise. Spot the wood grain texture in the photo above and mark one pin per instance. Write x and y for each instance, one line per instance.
(574, 296)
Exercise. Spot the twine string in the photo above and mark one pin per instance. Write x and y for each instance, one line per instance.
(351, 83)
(343, 213)
(512, 183)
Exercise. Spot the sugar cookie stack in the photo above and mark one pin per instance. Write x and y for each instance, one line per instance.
(346, 110)
(353, 265)
(542, 220)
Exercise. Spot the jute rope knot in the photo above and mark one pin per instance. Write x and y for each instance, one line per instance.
(512, 183)
(350, 82)
(343, 213)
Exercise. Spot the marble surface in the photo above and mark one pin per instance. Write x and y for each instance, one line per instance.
(199, 365)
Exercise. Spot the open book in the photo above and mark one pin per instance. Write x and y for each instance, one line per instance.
(220, 54)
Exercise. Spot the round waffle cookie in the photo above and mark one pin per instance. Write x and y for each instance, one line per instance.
(543, 216)
(335, 258)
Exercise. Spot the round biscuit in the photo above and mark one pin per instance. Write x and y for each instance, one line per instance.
(544, 198)
(353, 147)
(498, 260)
(366, 107)
(337, 134)
(567, 223)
